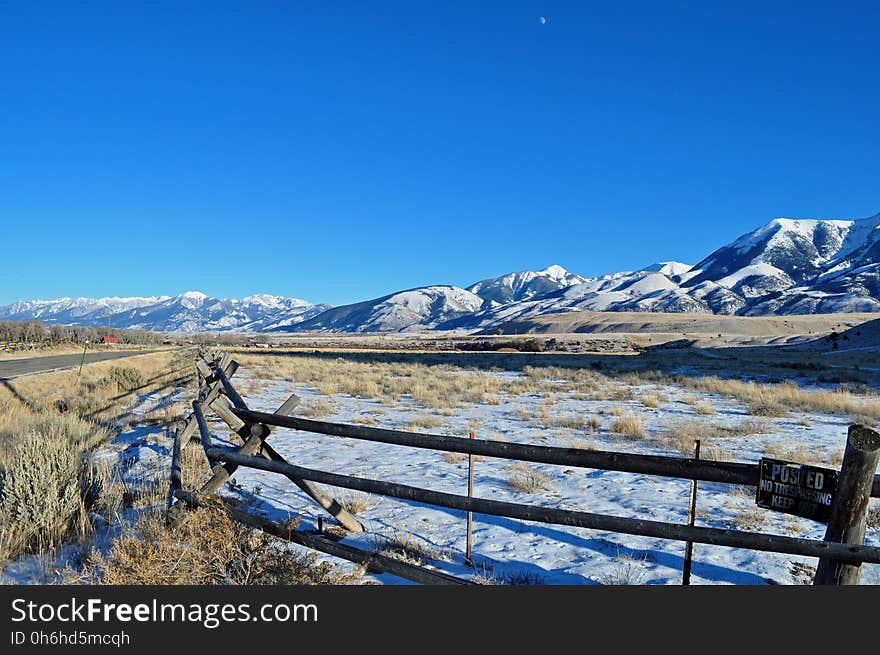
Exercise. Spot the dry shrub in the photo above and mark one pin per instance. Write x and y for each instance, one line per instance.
(791, 452)
(570, 421)
(750, 519)
(680, 435)
(873, 518)
(49, 486)
(834, 459)
(628, 425)
(404, 547)
(43, 489)
(715, 452)
(206, 547)
(594, 423)
(867, 421)
(621, 393)
(315, 408)
(355, 502)
(124, 378)
(427, 421)
(652, 400)
(327, 388)
(626, 570)
(525, 479)
(751, 426)
(704, 409)
(767, 407)
(522, 578)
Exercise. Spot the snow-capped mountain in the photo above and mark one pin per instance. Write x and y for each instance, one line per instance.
(415, 309)
(789, 266)
(73, 310)
(799, 266)
(524, 285)
(192, 311)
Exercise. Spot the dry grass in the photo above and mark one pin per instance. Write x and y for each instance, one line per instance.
(205, 548)
(791, 452)
(680, 435)
(406, 548)
(780, 398)
(652, 400)
(355, 502)
(525, 479)
(570, 421)
(750, 519)
(434, 387)
(703, 409)
(873, 517)
(767, 408)
(868, 421)
(426, 421)
(315, 408)
(628, 425)
(626, 570)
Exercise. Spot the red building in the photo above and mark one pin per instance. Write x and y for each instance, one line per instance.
(109, 339)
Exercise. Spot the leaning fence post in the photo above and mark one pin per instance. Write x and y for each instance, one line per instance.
(850, 506)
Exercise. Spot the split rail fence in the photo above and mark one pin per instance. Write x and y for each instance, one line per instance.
(840, 554)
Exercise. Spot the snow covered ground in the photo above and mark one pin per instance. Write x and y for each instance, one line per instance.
(508, 551)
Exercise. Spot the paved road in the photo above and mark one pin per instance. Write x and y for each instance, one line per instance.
(12, 368)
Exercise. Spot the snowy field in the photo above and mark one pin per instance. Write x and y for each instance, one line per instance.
(509, 551)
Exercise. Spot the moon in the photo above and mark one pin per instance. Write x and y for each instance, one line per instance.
(543, 20)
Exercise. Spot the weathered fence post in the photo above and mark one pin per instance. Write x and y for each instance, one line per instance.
(850, 506)
(176, 475)
(470, 515)
(692, 515)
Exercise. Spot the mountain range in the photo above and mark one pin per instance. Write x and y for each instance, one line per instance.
(789, 266)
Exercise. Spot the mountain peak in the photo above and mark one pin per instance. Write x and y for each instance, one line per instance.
(555, 271)
(670, 268)
(262, 299)
(193, 295)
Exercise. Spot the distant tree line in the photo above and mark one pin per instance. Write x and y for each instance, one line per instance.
(21, 332)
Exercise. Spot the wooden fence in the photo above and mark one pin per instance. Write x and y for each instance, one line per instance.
(841, 553)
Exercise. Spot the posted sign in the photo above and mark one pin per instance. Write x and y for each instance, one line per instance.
(797, 489)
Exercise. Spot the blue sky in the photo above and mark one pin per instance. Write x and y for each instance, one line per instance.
(340, 151)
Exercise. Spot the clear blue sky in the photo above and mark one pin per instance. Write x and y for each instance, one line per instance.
(338, 151)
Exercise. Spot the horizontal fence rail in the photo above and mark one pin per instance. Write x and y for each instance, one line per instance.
(675, 467)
